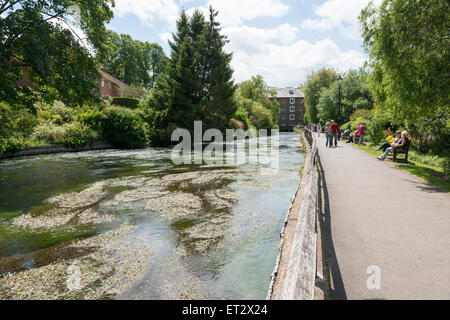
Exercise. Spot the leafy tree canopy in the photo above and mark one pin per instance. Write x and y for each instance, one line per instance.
(35, 44)
(132, 61)
(354, 96)
(408, 43)
(254, 96)
(315, 82)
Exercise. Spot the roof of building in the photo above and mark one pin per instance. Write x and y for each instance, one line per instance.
(113, 79)
(289, 92)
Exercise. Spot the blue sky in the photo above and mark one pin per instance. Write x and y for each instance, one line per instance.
(282, 40)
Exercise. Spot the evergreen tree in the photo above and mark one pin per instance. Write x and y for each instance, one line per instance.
(220, 104)
(198, 81)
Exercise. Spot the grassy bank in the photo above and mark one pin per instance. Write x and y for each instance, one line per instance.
(433, 174)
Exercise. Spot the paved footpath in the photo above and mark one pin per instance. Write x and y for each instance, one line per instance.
(385, 217)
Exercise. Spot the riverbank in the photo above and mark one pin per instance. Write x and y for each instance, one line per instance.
(52, 149)
(300, 255)
(431, 174)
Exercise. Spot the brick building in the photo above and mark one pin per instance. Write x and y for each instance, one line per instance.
(110, 86)
(292, 108)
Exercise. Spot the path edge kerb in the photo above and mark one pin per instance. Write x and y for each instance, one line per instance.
(299, 280)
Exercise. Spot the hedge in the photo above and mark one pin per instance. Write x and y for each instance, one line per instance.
(131, 103)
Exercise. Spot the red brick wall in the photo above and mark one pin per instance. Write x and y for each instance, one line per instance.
(285, 112)
(108, 89)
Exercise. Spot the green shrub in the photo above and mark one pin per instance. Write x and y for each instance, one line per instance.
(78, 135)
(92, 117)
(242, 115)
(131, 103)
(15, 120)
(447, 169)
(124, 128)
(11, 144)
(48, 131)
(57, 112)
(74, 135)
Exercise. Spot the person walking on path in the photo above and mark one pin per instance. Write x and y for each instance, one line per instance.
(328, 135)
(334, 132)
(361, 132)
(319, 128)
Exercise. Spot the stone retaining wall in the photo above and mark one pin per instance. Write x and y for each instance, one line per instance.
(299, 281)
(32, 151)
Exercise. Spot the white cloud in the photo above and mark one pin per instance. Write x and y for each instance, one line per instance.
(341, 14)
(235, 12)
(275, 53)
(283, 64)
(149, 11)
(231, 12)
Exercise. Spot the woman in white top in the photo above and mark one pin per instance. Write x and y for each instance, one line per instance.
(328, 135)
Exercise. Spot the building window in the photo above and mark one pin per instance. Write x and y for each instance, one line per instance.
(283, 109)
(300, 100)
(283, 117)
(109, 83)
(292, 109)
(292, 117)
(103, 82)
(292, 100)
(283, 100)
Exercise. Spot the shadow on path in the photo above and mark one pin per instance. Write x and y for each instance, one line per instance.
(338, 284)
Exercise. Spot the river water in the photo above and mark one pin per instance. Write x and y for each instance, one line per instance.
(133, 225)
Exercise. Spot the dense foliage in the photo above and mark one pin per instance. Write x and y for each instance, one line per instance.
(197, 84)
(354, 95)
(408, 44)
(255, 108)
(34, 46)
(124, 128)
(132, 61)
(131, 103)
(315, 82)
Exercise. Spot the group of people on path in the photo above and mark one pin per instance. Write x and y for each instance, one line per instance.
(332, 134)
(360, 132)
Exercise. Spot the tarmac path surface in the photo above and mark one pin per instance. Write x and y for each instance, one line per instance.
(388, 230)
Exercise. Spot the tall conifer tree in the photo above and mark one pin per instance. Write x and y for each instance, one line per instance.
(198, 82)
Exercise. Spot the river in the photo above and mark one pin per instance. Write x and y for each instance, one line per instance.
(120, 224)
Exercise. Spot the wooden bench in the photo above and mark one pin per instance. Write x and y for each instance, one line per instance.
(403, 150)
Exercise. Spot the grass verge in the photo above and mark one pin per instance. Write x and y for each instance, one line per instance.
(431, 174)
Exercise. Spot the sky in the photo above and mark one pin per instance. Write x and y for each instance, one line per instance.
(282, 40)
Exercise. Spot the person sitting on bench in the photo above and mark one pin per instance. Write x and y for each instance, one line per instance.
(400, 143)
(390, 140)
(352, 137)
